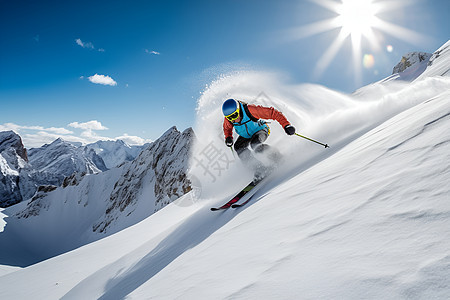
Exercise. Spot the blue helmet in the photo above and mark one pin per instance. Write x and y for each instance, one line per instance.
(230, 106)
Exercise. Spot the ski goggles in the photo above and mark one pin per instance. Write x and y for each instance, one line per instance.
(232, 117)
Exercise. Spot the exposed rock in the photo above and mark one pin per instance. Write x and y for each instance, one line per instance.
(73, 179)
(10, 139)
(411, 59)
(38, 202)
(13, 157)
(162, 165)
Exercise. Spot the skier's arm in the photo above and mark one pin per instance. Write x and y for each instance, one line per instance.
(227, 128)
(261, 112)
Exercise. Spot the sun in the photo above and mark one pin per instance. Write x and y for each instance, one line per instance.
(356, 17)
(359, 21)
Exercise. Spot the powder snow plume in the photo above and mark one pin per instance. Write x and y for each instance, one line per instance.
(323, 114)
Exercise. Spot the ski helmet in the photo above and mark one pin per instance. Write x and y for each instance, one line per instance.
(229, 107)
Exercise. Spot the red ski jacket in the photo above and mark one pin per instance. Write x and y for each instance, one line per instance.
(259, 112)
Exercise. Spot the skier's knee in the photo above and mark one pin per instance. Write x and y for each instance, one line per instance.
(261, 148)
(258, 139)
(243, 153)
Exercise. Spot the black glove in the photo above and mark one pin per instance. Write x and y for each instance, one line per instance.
(229, 141)
(290, 130)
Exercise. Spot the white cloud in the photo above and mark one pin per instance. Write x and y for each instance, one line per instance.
(152, 52)
(88, 135)
(133, 140)
(59, 130)
(36, 136)
(91, 135)
(91, 125)
(102, 79)
(88, 45)
(18, 128)
(10, 126)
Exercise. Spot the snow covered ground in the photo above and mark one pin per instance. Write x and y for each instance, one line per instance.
(368, 218)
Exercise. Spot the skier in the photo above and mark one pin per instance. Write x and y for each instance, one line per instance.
(249, 123)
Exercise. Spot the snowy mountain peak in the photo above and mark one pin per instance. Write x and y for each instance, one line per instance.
(10, 139)
(115, 152)
(63, 158)
(121, 143)
(170, 131)
(57, 141)
(410, 60)
(13, 157)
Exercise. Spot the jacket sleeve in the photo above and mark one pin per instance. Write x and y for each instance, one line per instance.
(227, 128)
(261, 112)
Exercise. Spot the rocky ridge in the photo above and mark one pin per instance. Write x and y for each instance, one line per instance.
(162, 167)
(410, 60)
(13, 157)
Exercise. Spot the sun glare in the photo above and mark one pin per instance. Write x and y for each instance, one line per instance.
(358, 20)
(356, 17)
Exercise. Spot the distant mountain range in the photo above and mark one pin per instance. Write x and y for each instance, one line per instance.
(23, 171)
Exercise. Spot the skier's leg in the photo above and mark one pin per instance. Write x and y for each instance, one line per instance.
(241, 146)
(246, 156)
(257, 145)
(268, 154)
(258, 139)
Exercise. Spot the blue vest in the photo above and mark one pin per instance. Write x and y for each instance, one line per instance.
(248, 126)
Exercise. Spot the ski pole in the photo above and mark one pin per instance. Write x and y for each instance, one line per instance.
(232, 151)
(325, 145)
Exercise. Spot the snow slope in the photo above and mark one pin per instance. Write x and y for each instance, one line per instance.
(439, 62)
(366, 219)
(368, 222)
(411, 66)
(416, 66)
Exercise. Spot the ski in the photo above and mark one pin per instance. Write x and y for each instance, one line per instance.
(259, 182)
(238, 197)
(242, 204)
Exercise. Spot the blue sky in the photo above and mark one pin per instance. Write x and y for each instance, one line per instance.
(155, 53)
